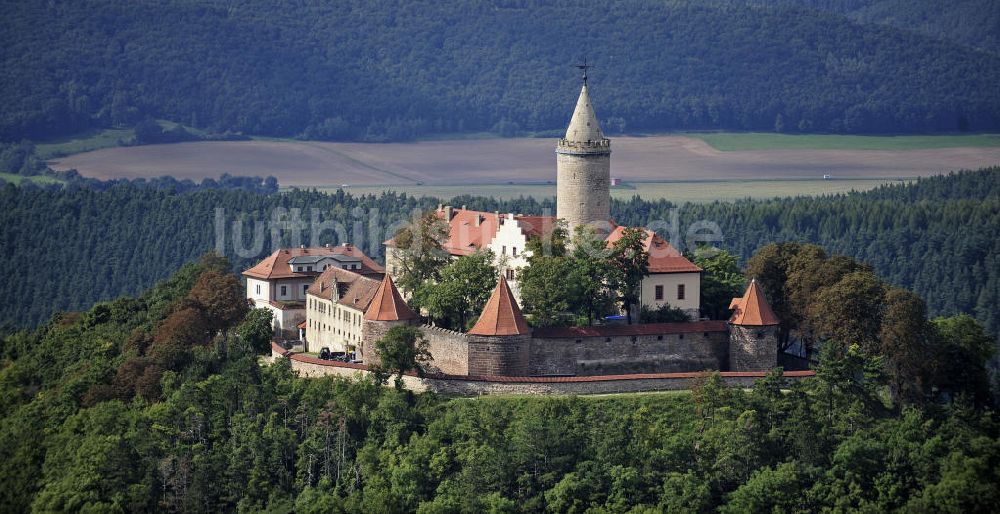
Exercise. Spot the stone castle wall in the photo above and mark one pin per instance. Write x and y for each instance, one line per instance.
(752, 348)
(583, 194)
(662, 353)
(592, 351)
(474, 386)
(449, 349)
(499, 355)
(372, 331)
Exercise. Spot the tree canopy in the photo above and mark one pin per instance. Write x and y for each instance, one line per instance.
(398, 70)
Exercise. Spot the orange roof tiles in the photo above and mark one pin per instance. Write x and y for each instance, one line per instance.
(752, 309)
(663, 258)
(276, 265)
(469, 231)
(501, 316)
(388, 305)
(353, 290)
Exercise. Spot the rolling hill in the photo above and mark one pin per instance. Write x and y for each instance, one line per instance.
(396, 70)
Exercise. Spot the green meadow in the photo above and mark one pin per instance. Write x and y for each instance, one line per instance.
(38, 179)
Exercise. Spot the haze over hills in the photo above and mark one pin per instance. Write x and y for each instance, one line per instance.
(401, 69)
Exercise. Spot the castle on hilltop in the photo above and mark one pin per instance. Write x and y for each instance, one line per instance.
(583, 198)
(340, 299)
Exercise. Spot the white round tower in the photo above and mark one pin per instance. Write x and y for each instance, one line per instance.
(583, 169)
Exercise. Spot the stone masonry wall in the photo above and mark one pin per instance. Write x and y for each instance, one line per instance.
(666, 353)
(583, 188)
(752, 348)
(499, 355)
(467, 386)
(372, 331)
(449, 350)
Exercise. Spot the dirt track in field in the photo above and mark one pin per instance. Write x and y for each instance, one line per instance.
(499, 161)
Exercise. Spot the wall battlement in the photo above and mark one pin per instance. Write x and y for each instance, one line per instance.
(590, 351)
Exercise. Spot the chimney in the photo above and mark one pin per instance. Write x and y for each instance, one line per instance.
(327, 245)
(447, 213)
(463, 207)
(479, 219)
(302, 247)
(499, 219)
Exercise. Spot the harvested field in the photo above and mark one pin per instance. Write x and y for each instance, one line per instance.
(504, 161)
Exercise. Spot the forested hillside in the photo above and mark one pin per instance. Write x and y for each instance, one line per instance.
(395, 70)
(159, 403)
(939, 237)
(975, 23)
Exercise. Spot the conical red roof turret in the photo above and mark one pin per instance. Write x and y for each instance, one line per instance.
(388, 304)
(501, 316)
(752, 309)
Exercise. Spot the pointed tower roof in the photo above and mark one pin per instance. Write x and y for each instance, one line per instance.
(388, 304)
(584, 125)
(752, 309)
(501, 316)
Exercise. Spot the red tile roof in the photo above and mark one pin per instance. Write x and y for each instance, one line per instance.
(630, 330)
(276, 265)
(501, 316)
(465, 236)
(752, 309)
(663, 258)
(353, 290)
(388, 304)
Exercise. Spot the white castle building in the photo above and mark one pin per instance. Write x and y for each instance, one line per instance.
(281, 282)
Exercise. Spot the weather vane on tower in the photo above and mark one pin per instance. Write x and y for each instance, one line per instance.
(584, 67)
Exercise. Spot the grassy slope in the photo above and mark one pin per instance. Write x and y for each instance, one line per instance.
(38, 179)
(86, 142)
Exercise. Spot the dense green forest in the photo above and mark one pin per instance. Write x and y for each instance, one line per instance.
(939, 237)
(975, 23)
(395, 70)
(158, 403)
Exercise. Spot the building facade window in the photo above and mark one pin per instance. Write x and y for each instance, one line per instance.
(304, 288)
(284, 290)
(258, 288)
(680, 291)
(659, 292)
